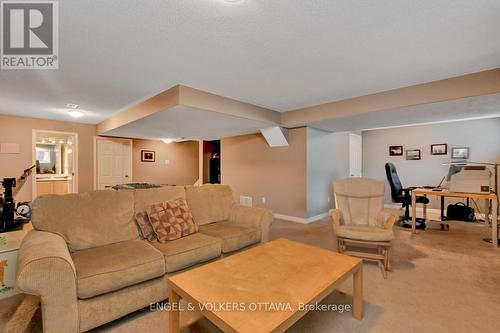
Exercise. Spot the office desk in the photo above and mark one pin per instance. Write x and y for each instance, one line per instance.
(445, 193)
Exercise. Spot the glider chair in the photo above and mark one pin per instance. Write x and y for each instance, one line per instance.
(362, 227)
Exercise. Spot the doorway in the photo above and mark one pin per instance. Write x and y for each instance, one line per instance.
(355, 155)
(211, 162)
(112, 162)
(55, 155)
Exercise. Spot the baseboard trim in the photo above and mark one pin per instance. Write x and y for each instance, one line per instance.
(295, 219)
(317, 217)
(302, 220)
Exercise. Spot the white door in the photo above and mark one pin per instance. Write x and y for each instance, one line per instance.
(355, 155)
(113, 162)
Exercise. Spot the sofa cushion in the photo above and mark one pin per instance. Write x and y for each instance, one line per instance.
(366, 233)
(188, 251)
(111, 267)
(171, 220)
(209, 203)
(87, 220)
(232, 235)
(144, 198)
(145, 227)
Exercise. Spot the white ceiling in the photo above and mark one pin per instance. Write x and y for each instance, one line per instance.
(485, 106)
(281, 54)
(188, 123)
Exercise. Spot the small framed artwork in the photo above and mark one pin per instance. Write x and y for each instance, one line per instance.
(395, 150)
(460, 153)
(439, 149)
(413, 154)
(148, 156)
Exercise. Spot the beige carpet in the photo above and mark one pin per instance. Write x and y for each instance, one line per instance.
(442, 281)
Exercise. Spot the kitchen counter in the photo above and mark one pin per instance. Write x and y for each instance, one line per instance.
(52, 178)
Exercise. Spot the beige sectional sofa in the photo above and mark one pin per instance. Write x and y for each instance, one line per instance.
(86, 261)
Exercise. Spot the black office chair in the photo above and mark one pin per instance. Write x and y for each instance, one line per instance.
(403, 196)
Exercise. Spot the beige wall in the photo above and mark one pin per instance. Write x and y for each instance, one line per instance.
(19, 130)
(296, 180)
(252, 168)
(482, 136)
(182, 167)
(327, 160)
(183, 157)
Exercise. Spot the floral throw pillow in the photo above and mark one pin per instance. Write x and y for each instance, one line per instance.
(172, 220)
(145, 227)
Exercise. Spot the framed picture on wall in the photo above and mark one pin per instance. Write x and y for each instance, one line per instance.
(439, 149)
(148, 156)
(460, 153)
(395, 150)
(413, 154)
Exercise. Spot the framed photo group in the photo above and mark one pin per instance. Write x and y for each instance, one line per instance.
(457, 153)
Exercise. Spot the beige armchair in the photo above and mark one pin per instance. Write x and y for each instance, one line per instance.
(360, 221)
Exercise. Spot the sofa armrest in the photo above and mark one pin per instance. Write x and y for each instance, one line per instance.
(258, 217)
(386, 218)
(45, 269)
(335, 216)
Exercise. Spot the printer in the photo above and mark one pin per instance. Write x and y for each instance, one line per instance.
(472, 179)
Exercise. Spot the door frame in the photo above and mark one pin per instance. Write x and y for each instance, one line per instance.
(34, 133)
(106, 138)
(201, 163)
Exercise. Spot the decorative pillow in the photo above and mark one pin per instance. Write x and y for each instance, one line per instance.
(147, 232)
(172, 220)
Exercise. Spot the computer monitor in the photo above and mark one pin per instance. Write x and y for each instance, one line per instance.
(454, 168)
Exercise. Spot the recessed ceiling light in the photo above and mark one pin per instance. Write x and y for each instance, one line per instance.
(75, 113)
(72, 106)
(167, 140)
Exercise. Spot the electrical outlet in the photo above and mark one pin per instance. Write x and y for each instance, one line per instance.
(246, 201)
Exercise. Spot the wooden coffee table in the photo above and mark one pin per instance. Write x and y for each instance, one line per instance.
(264, 289)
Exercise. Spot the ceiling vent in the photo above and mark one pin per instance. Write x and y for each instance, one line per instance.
(275, 136)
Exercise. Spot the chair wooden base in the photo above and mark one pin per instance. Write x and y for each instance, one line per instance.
(382, 257)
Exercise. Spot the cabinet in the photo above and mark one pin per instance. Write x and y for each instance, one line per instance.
(52, 187)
